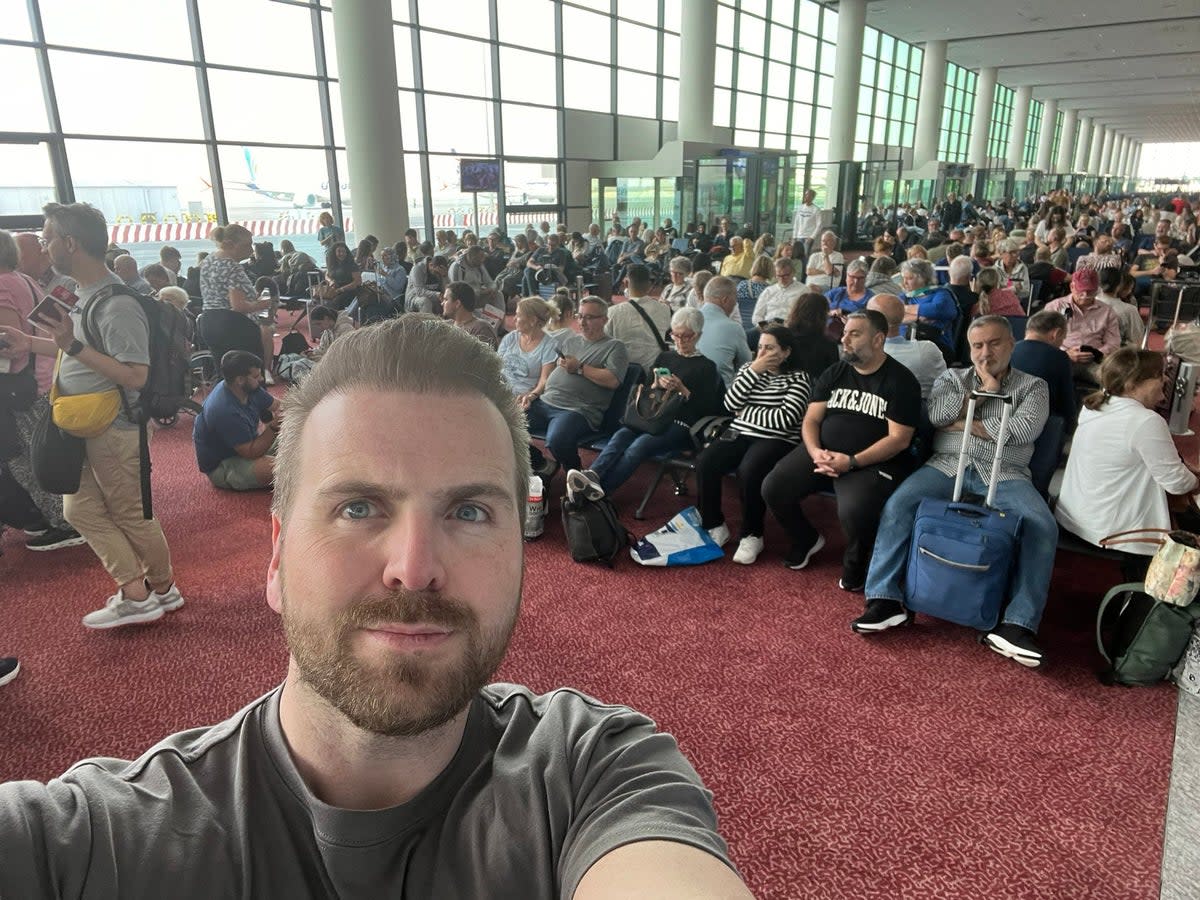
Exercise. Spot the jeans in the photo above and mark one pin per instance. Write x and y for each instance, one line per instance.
(861, 496)
(1035, 557)
(754, 459)
(563, 428)
(627, 449)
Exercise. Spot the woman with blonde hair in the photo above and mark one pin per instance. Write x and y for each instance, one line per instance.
(528, 353)
(328, 234)
(224, 284)
(562, 315)
(1123, 460)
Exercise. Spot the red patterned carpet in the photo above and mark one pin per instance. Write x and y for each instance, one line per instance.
(917, 765)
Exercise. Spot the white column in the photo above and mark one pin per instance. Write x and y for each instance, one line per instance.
(930, 103)
(1136, 169)
(1084, 144)
(1106, 155)
(1097, 148)
(852, 20)
(1118, 158)
(1046, 135)
(1066, 144)
(981, 122)
(371, 114)
(697, 69)
(1019, 127)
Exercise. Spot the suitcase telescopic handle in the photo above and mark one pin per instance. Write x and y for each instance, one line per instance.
(1001, 438)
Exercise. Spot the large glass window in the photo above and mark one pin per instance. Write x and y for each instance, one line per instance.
(1033, 134)
(456, 65)
(124, 29)
(586, 86)
(142, 182)
(156, 99)
(526, 76)
(459, 17)
(459, 125)
(28, 179)
(22, 107)
(273, 182)
(293, 115)
(529, 130)
(285, 32)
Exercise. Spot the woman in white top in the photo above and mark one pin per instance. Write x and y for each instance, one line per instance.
(1123, 462)
(825, 265)
(529, 354)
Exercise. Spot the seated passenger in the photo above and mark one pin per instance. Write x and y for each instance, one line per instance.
(854, 296)
(1014, 274)
(750, 290)
(722, 340)
(991, 342)
(234, 434)
(740, 259)
(880, 278)
(458, 305)
(424, 291)
(1041, 354)
(767, 398)
(775, 303)
(824, 266)
(551, 264)
(1114, 281)
(1123, 460)
(578, 391)
(1093, 330)
(327, 325)
(690, 374)
(861, 417)
(528, 353)
(470, 268)
(675, 294)
(342, 274)
(812, 350)
(994, 300)
(627, 321)
(929, 305)
(922, 358)
(393, 275)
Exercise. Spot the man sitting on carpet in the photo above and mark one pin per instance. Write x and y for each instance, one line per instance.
(386, 765)
(230, 447)
(991, 342)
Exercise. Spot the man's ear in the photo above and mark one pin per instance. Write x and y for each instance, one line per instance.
(274, 568)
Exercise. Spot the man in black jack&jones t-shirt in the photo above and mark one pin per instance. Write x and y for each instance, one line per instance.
(860, 422)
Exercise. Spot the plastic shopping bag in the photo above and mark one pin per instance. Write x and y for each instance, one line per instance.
(681, 542)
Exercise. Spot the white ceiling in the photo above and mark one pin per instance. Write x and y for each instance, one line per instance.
(1132, 66)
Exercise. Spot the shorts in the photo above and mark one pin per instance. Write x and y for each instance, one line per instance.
(236, 474)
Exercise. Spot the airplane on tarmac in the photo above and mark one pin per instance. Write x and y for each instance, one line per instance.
(298, 198)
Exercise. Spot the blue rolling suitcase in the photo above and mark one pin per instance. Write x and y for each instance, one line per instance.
(961, 558)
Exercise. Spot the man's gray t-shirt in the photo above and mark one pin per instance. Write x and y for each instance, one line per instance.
(578, 392)
(541, 787)
(124, 334)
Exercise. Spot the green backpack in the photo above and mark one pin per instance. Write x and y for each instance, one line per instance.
(1141, 638)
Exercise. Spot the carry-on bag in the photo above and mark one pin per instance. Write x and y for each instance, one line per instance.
(961, 558)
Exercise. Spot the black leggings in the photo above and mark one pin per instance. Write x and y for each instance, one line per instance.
(753, 458)
(861, 496)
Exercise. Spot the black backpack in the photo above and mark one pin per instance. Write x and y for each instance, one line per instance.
(594, 534)
(168, 387)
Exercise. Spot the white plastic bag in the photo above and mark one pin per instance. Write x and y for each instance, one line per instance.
(681, 542)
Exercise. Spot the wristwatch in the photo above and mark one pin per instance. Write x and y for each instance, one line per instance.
(853, 462)
(75, 349)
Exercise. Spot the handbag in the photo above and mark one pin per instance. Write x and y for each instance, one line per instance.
(1174, 573)
(651, 411)
(56, 455)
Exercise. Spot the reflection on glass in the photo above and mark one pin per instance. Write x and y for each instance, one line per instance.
(157, 99)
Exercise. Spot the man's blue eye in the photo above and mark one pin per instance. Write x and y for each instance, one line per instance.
(357, 509)
(469, 512)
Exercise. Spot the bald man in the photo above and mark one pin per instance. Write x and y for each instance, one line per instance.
(922, 358)
(126, 268)
(35, 262)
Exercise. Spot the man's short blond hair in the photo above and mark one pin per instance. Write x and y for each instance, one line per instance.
(416, 353)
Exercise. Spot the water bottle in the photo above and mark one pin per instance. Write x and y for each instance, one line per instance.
(535, 509)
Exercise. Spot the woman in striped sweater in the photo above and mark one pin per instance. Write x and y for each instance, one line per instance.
(767, 398)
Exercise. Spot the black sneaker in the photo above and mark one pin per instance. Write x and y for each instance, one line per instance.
(853, 585)
(881, 615)
(37, 530)
(798, 557)
(9, 667)
(56, 539)
(547, 470)
(1016, 643)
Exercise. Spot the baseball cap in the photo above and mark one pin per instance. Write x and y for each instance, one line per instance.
(1085, 281)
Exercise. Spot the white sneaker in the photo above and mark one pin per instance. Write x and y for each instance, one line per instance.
(720, 534)
(748, 550)
(118, 611)
(170, 599)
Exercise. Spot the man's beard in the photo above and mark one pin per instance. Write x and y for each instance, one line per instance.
(851, 357)
(406, 695)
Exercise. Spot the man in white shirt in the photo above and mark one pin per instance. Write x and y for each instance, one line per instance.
(775, 302)
(806, 222)
(922, 358)
(643, 340)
